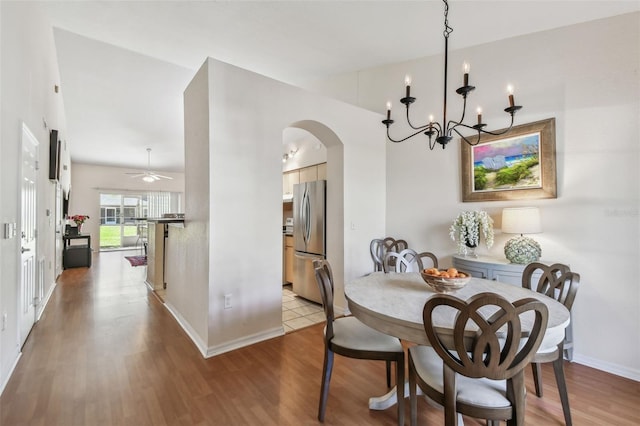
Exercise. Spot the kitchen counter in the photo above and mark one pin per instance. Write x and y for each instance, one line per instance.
(166, 219)
(156, 250)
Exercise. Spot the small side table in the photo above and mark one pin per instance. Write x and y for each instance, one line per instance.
(76, 255)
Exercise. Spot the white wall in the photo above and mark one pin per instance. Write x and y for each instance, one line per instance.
(187, 278)
(28, 75)
(88, 181)
(586, 76)
(247, 115)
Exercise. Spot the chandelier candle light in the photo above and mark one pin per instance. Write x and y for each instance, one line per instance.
(522, 220)
(442, 131)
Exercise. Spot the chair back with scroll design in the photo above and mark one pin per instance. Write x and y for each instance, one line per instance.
(324, 278)
(403, 261)
(407, 260)
(349, 337)
(499, 350)
(377, 254)
(558, 282)
(422, 258)
(380, 247)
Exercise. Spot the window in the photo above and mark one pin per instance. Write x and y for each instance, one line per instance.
(123, 216)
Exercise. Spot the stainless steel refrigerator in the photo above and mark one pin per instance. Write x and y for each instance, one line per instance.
(309, 236)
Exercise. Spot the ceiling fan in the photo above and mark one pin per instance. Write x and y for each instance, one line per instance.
(148, 175)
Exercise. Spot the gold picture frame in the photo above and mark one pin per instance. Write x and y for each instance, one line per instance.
(519, 165)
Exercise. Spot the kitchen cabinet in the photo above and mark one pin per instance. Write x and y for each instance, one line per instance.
(322, 171)
(155, 255)
(288, 258)
(305, 174)
(308, 174)
(288, 180)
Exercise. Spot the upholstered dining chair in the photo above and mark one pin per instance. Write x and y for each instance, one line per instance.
(557, 282)
(380, 247)
(349, 337)
(408, 260)
(481, 373)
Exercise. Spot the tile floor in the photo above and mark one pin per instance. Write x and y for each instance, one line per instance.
(297, 312)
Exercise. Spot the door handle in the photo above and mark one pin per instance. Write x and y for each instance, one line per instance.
(22, 250)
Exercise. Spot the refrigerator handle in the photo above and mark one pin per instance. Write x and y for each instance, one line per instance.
(303, 215)
(307, 216)
(300, 216)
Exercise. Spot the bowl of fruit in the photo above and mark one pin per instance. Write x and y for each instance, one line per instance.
(445, 280)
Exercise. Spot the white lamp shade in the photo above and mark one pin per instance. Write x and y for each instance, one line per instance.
(521, 220)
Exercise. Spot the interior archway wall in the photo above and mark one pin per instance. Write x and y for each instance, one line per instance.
(234, 121)
(335, 197)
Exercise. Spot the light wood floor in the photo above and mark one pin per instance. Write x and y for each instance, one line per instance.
(106, 352)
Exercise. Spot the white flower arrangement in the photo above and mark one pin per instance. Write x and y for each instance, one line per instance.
(465, 230)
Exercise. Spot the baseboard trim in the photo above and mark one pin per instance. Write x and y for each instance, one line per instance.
(13, 367)
(244, 341)
(41, 308)
(184, 324)
(45, 300)
(607, 367)
(208, 352)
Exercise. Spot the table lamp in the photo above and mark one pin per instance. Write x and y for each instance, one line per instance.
(521, 220)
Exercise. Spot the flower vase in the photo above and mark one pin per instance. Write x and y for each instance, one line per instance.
(79, 228)
(469, 250)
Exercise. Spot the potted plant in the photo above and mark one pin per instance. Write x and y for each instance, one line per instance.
(466, 229)
(79, 219)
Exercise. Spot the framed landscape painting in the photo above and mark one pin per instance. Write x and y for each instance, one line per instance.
(520, 164)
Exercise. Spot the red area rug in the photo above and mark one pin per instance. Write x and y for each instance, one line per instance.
(137, 260)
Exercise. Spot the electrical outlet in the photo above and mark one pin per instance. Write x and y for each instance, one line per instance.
(227, 301)
(4, 321)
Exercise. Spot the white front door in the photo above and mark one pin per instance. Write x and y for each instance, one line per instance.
(27, 315)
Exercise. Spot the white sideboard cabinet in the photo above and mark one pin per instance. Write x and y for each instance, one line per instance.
(492, 268)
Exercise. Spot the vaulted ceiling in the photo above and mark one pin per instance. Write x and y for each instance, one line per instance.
(124, 65)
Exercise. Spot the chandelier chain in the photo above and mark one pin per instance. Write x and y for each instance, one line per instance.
(447, 29)
(441, 132)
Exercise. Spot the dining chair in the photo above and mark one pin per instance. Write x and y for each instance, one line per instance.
(479, 370)
(558, 282)
(376, 247)
(407, 260)
(423, 262)
(380, 247)
(349, 337)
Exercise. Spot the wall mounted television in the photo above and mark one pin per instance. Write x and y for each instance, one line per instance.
(54, 155)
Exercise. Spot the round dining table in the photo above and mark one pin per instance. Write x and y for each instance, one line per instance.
(392, 303)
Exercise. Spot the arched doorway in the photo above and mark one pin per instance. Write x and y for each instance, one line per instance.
(310, 134)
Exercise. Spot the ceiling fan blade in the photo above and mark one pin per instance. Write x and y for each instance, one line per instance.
(161, 176)
(148, 175)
